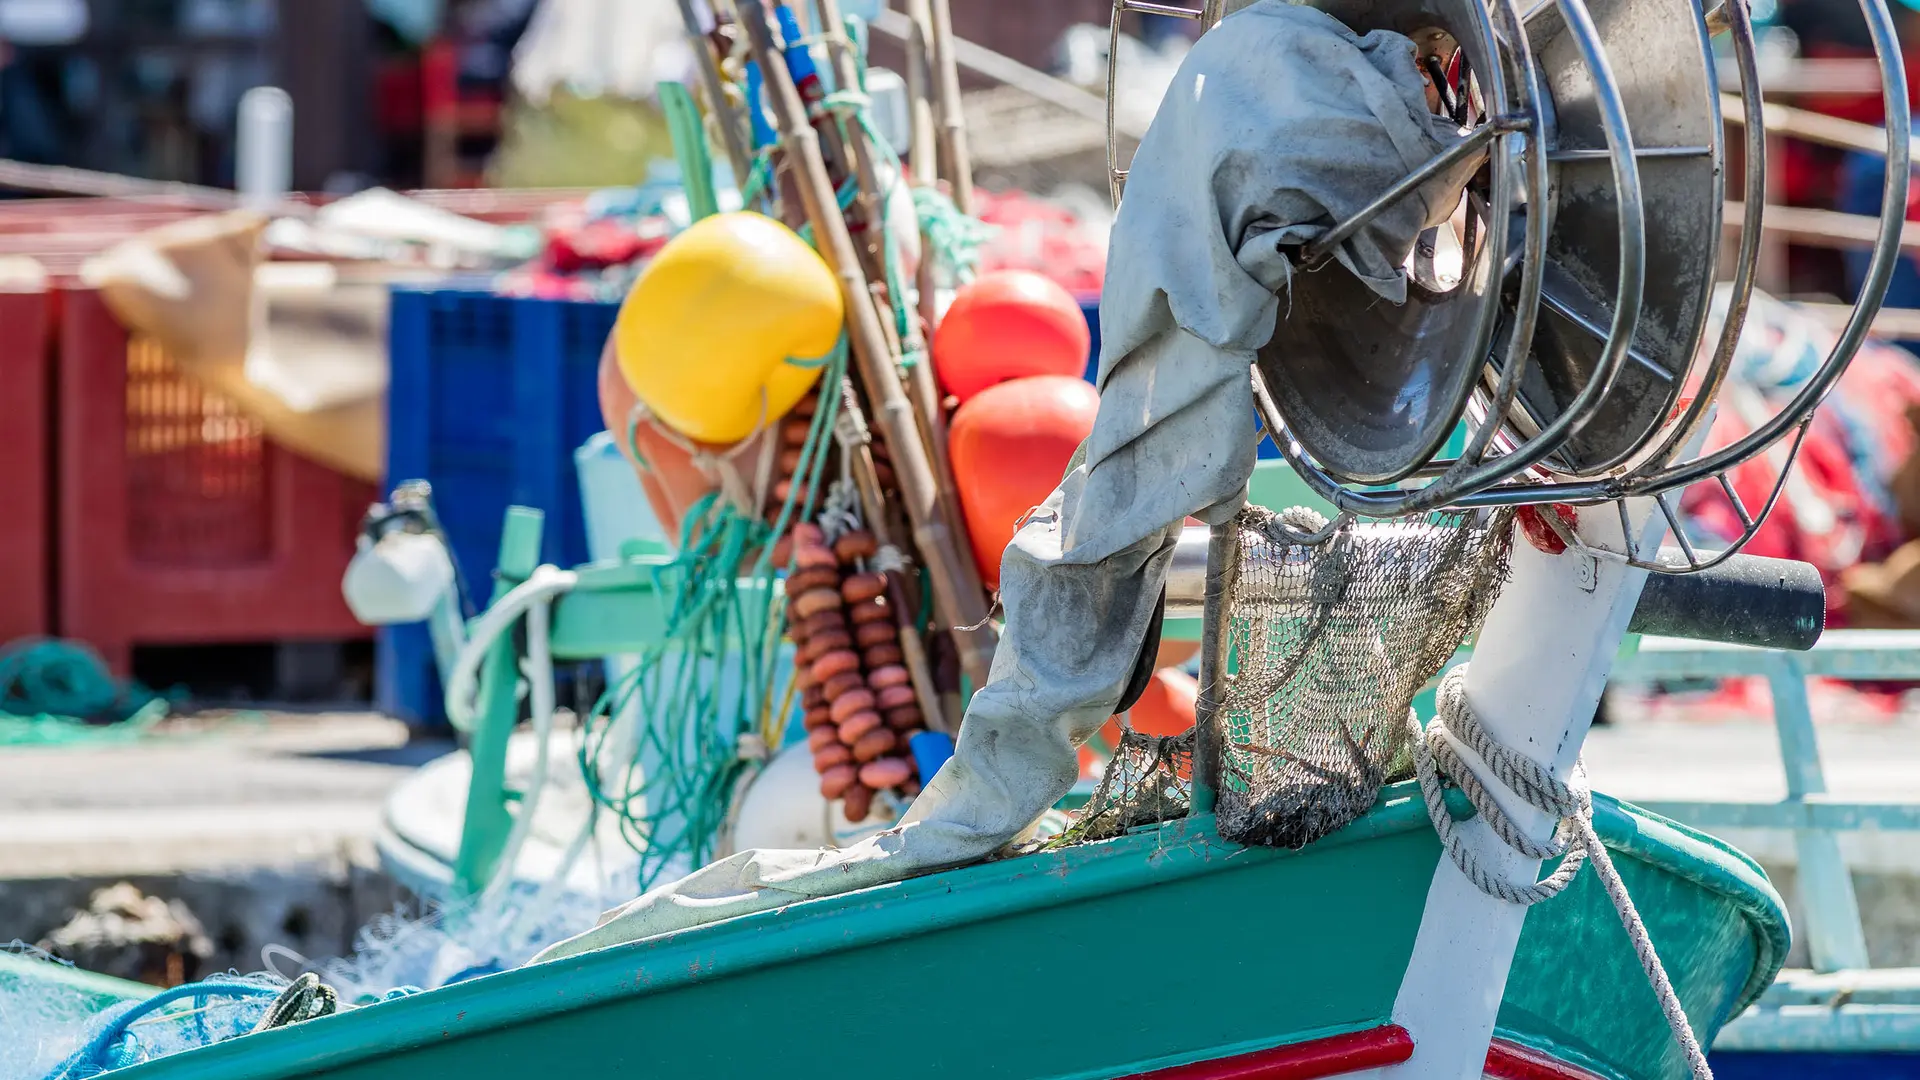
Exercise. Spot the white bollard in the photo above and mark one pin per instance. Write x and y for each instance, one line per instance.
(263, 148)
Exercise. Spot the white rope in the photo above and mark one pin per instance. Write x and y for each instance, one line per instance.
(889, 560)
(463, 676)
(1574, 840)
(839, 511)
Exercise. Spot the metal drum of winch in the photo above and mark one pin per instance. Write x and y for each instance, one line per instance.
(1372, 391)
(1558, 317)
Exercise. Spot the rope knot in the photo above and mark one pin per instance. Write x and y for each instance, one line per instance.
(889, 560)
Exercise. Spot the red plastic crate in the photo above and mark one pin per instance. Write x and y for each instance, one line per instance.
(26, 466)
(179, 521)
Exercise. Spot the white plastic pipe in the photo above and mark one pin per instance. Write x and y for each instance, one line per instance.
(263, 148)
(463, 681)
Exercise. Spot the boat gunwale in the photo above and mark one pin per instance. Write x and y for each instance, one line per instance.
(977, 892)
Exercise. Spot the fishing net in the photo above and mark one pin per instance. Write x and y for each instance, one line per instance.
(1148, 780)
(1332, 629)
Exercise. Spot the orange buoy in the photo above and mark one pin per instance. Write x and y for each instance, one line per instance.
(1168, 707)
(668, 475)
(1169, 704)
(1008, 324)
(1010, 445)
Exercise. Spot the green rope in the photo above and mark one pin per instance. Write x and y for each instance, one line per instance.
(955, 238)
(711, 625)
(759, 176)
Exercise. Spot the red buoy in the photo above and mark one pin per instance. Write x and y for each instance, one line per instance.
(1008, 324)
(1010, 445)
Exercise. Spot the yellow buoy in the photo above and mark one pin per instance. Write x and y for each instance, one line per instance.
(733, 312)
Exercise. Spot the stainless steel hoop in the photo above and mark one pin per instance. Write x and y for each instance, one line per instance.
(1516, 451)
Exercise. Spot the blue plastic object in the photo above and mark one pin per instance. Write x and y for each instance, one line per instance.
(799, 58)
(1861, 179)
(489, 398)
(763, 133)
(931, 749)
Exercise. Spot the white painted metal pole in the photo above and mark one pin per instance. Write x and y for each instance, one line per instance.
(263, 148)
(1536, 675)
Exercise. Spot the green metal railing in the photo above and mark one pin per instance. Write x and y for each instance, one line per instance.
(1843, 1004)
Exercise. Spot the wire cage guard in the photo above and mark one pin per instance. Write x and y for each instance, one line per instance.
(1522, 447)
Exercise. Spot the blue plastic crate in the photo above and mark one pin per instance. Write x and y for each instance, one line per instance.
(489, 398)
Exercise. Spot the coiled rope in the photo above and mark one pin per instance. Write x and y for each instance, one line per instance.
(1574, 841)
(115, 1047)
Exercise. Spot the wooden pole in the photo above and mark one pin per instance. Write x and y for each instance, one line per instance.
(953, 124)
(869, 208)
(921, 388)
(724, 116)
(894, 416)
(913, 649)
(924, 157)
(919, 44)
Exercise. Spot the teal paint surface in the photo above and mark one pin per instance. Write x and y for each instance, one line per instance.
(1577, 990)
(1159, 948)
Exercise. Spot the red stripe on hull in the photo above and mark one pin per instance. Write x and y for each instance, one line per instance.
(1511, 1061)
(1333, 1056)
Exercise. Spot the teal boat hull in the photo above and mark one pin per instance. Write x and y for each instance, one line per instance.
(1156, 950)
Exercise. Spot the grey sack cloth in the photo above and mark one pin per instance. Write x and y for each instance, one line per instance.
(1279, 123)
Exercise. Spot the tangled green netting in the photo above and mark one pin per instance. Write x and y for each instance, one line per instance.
(718, 609)
(57, 692)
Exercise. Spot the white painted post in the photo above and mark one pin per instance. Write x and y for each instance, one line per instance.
(263, 148)
(1536, 675)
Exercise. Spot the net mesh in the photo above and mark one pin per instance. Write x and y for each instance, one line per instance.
(1148, 780)
(1332, 630)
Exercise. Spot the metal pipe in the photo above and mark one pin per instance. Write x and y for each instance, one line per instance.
(1222, 573)
(1745, 600)
(1751, 212)
(1319, 250)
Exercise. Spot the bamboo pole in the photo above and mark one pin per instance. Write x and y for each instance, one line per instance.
(913, 649)
(723, 114)
(894, 416)
(925, 155)
(924, 158)
(1010, 72)
(869, 208)
(1823, 228)
(1813, 127)
(919, 43)
(946, 104)
(921, 388)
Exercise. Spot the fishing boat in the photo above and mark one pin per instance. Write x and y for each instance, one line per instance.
(1233, 902)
